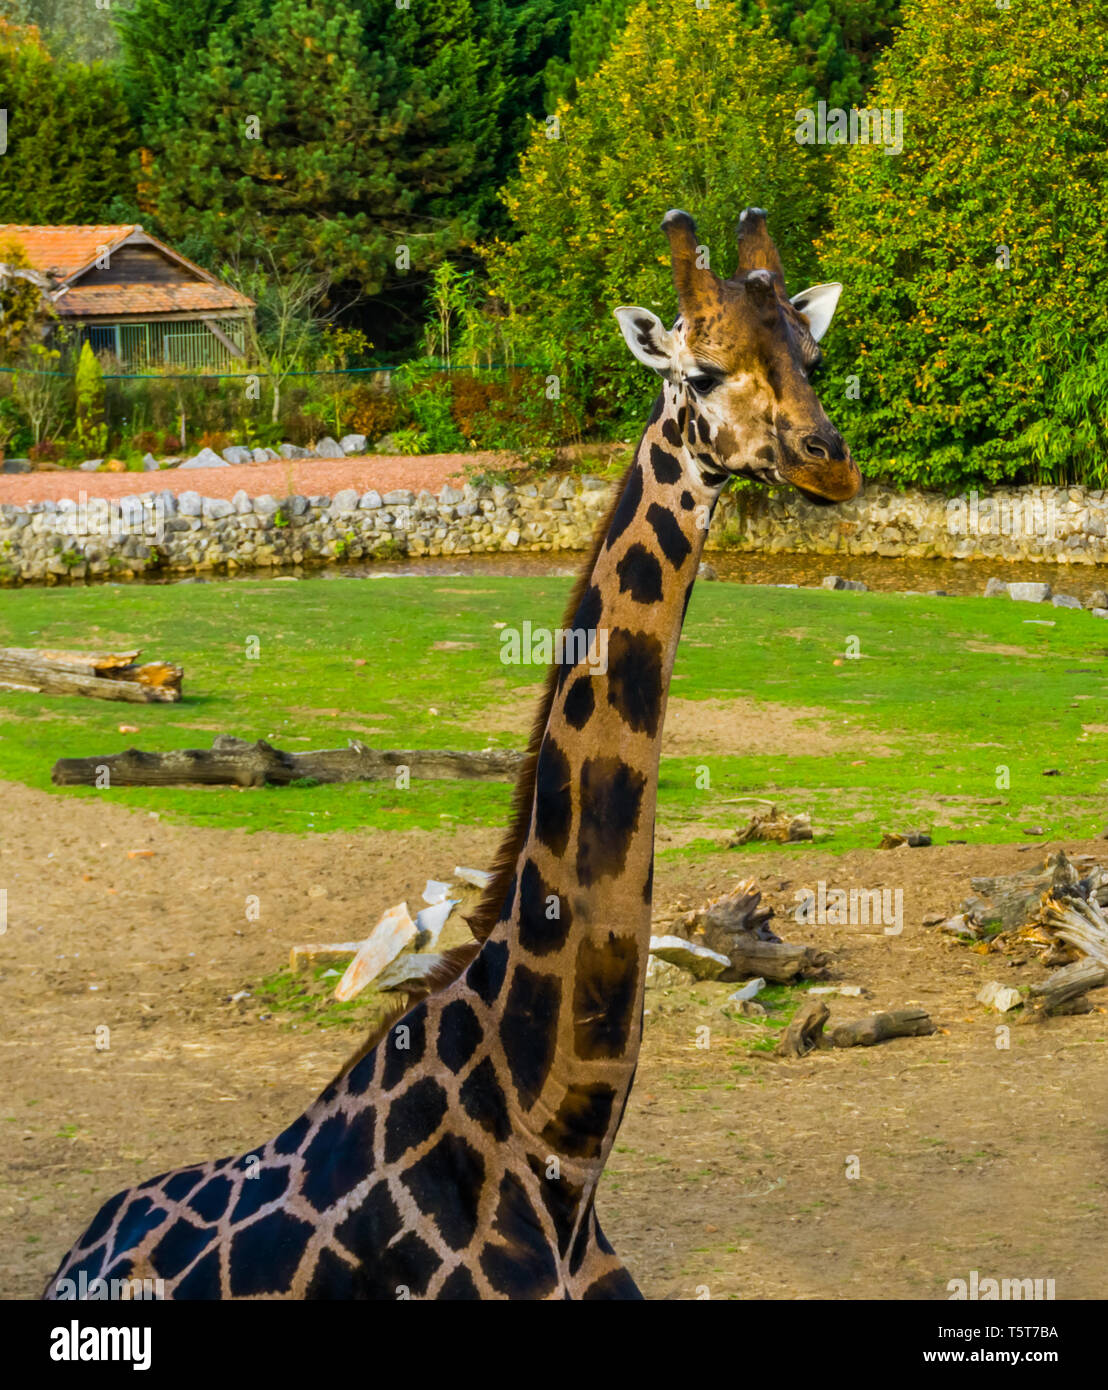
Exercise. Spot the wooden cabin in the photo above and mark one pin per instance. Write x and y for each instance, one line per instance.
(135, 298)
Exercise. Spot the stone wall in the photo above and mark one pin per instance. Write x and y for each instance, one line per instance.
(157, 532)
(1046, 524)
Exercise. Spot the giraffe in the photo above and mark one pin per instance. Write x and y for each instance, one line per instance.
(457, 1154)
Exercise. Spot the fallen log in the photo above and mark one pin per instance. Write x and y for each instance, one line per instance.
(1064, 992)
(779, 961)
(239, 763)
(103, 675)
(864, 1032)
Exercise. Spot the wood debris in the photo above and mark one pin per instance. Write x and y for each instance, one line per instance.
(772, 824)
(102, 675)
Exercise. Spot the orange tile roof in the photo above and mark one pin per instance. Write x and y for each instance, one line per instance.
(64, 250)
(69, 251)
(146, 299)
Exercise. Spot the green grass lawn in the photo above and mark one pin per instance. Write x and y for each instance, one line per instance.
(942, 693)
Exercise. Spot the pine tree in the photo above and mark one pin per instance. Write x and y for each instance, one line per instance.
(69, 137)
(159, 39)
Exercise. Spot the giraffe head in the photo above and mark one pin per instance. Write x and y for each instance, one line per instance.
(739, 359)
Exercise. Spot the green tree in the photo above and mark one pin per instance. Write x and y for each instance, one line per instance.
(974, 262)
(587, 205)
(69, 137)
(154, 37)
(294, 136)
(835, 42)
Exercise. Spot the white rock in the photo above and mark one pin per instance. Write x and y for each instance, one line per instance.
(241, 502)
(999, 997)
(435, 891)
(476, 878)
(408, 971)
(388, 938)
(352, 443)
(748, 991)
(699, 960)
(328, 448)
(431, 920)
(190, 504)
(1029, 593)
(206, 458)
(237, 453)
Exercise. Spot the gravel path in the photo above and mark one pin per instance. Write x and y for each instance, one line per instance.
(305, 476)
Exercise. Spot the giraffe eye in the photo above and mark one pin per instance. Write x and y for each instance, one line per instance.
(701, 383)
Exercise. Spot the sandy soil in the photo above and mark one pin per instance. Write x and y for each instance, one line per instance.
(305, 476)
(731, 1169)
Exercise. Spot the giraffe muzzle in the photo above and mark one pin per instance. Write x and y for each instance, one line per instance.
(820, 476)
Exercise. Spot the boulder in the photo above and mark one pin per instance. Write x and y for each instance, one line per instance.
(265, 505)
(236, 454)
(353, 443)
(90, 465)
(328, 448)
(698, 960)
(206, 458)
(995, 587)
(149, 463)
(1029, 593)
(384, 943)
(370, 500)
(1097, 599)
(1065, 601)
(190, 504)
(451, 496)
(216, 507)
(241, 502)
(294, 451)
(835, 581)
(345, 500)
(399, 497)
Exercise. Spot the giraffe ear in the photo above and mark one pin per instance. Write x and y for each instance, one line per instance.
(647, 337)
(817, 304)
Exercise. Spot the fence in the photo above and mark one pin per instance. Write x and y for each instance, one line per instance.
(439, 407)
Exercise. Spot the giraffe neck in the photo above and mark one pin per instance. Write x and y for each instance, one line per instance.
(573, 934)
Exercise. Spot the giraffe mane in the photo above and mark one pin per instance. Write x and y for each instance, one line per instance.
(487, 913)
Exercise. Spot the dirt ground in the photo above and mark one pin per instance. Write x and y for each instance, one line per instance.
(870, 1173)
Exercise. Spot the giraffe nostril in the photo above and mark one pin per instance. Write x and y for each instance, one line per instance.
(815, 447)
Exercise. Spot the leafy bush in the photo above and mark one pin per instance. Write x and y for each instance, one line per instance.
(372, 413)
(90, 431)
(974, 263)
(691, 109)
